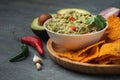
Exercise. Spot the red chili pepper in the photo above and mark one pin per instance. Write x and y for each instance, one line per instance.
(71, 19)
(73, 28)
(35, 42)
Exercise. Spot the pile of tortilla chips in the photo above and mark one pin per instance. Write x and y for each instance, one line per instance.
(106, 51)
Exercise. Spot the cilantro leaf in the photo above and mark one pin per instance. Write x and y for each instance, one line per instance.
(97, 21)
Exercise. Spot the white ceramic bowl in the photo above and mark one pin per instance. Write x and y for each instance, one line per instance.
(73, 41)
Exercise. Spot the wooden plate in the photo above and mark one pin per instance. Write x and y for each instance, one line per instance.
(78, 66)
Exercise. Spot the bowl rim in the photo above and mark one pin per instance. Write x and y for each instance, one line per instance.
(73, 34)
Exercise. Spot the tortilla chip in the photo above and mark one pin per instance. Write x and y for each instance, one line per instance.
(104, 61)
(110, 49)
(72, 56)
(108, 61)
(87, 48)
(114, 58)
(113, 20)
(106, 38)
(102, 57)
(114, 34)
(116, 61)
(113, 27)
(92, 55)
(79, 58)
(66, 55)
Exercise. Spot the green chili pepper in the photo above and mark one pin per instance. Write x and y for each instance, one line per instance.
(23, 54)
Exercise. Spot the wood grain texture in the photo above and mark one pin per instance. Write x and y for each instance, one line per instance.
(78, 66)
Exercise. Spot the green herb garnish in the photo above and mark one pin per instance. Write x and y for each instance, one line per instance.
(97, 21)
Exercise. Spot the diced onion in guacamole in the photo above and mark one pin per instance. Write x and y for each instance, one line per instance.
(71, 23)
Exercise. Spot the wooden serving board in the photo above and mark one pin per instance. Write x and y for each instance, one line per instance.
(78, 66)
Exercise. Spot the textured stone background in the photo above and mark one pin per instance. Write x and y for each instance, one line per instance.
(16, 16)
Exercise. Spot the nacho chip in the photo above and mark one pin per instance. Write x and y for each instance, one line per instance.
(72, 56)
(79, 58)
(106, 38)
(92, 55)
(112, 48)
(114, 34)
(108, 61)
(87, 48)
(102, 57)
(66, 55)
(113, 22)
(104, 61)
(116, 61)
(114, 58)
(114, 27)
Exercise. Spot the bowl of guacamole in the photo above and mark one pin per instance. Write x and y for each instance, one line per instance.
(75, 30)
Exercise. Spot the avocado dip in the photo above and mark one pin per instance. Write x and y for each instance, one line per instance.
(72, 22)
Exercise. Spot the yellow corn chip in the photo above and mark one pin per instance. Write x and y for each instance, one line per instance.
(102, 57)
(114, 34)
(66, 55)
(116, 61)
(105, 61)
(110, 49)
(79, 58)
(87, 48)
(113, 22)
(114, 27)
(72, 56)
(92, 55)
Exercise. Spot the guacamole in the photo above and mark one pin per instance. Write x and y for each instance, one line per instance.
(72, 23)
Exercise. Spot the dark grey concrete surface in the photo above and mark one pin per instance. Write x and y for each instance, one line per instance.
(16, 16)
